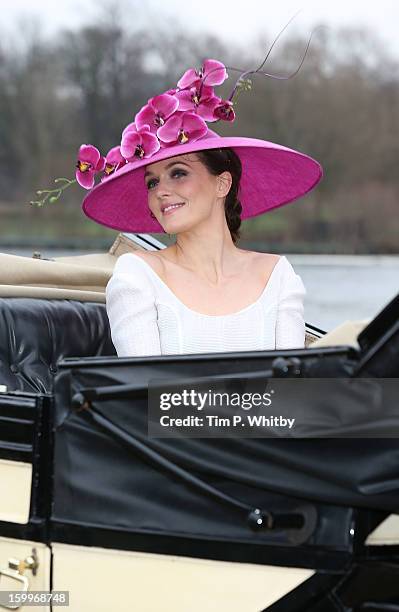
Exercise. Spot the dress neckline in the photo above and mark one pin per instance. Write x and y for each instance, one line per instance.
(201, 314)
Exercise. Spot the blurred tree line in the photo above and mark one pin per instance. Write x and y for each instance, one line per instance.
(87, 84)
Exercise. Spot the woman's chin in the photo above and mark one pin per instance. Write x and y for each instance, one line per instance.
(175, 226)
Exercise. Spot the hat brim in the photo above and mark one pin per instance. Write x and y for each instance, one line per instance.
(272, 175)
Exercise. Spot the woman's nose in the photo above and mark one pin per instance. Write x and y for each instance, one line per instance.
(163, 188)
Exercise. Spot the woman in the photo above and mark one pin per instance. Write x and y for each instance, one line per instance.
(171, 173)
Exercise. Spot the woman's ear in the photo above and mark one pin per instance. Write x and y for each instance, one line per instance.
(224, 182)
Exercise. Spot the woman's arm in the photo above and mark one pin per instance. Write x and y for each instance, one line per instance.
(130, 303)
(290, 323)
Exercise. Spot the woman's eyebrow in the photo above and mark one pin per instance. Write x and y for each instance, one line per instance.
(148, 172)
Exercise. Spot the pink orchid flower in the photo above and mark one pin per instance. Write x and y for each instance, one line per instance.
(90, 162)
(225, 111)
(114, 160)
(212, 71)
(157, 111)
(200, 100)
(130, 127)
(182, 128)
(138, 142)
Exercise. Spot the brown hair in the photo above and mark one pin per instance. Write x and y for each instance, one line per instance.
(221, 160)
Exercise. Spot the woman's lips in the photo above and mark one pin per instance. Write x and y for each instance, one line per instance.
(168, 210)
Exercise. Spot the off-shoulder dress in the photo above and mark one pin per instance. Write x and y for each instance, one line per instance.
(147, 318)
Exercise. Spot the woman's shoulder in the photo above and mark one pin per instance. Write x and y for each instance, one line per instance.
(284, 275)
(137, 263)
(131, 272)
(261, 256)
(270, 260)
(265, 263)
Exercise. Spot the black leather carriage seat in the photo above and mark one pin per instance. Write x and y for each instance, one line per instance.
(36, 333)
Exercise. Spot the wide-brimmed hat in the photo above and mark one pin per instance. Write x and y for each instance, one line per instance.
(175, 123)
(272, 175)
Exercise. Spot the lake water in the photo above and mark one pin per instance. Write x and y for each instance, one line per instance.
(339, 287)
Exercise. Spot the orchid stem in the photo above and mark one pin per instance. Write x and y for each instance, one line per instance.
(52, 195)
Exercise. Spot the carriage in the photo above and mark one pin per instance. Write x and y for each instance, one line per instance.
(94, 506)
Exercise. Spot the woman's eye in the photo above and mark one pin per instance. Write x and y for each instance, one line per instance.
(151, 184)
(178, 172)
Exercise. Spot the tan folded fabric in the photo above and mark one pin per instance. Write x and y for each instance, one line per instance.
(16, 270)
(104, 261)
(80, 277)
(345, 334)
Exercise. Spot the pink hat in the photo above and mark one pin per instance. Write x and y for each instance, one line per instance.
(175, 123)
(272, 175)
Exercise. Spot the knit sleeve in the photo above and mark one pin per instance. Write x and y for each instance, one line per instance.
(290, 324)
(132, 314)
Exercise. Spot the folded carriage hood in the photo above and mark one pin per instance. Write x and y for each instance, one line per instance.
(77, 277)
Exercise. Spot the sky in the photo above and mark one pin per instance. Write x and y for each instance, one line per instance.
(240, 20)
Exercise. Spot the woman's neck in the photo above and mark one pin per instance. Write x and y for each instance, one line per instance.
(210, 254)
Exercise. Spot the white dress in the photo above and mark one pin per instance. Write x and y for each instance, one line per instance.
(147, 318)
